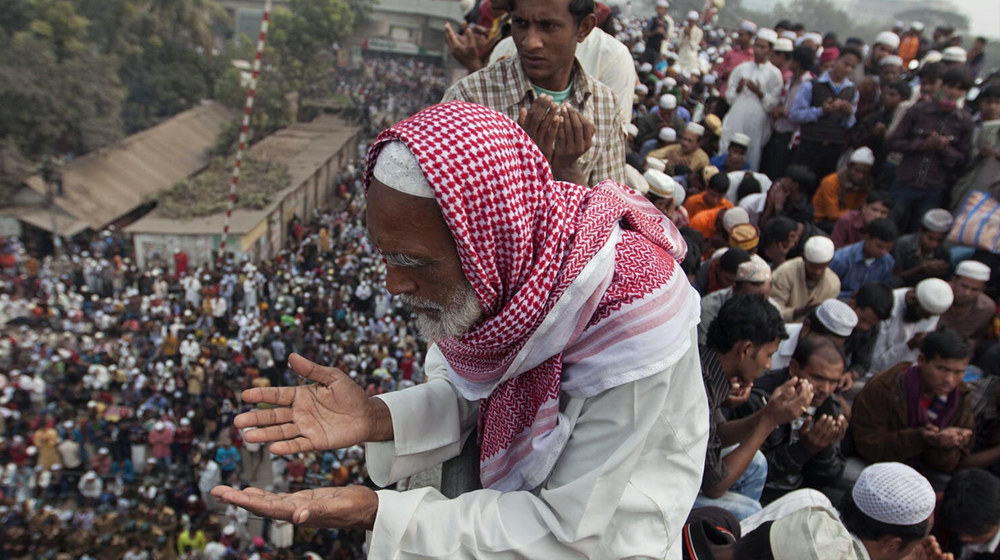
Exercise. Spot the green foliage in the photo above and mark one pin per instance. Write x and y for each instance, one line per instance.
(208, 192)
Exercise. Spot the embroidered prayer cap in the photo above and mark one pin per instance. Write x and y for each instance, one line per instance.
(755, 270)
(397, 169)
(974, 270)
(708, 172)
(812, 533)
(937, 220)
(863, 155)
(635, 180)
(819, 249)
(748, 26)
(696, 128)
(887, 38)
(894, 493)
(713, 122)
(837, 317)
(668, 101)
(891, 60)
(734, 217)
(954, 54)
(741, 139)
(667, 134)
(661, 184)
(744, 236)
(784, 45)
(768, 35)
(934, 295)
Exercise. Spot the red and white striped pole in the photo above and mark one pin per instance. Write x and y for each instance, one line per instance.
(251, 93)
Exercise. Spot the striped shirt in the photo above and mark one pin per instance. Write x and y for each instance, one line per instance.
(717, 387)
(504, 87)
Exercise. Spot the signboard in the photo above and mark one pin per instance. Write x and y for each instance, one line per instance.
(381, 44)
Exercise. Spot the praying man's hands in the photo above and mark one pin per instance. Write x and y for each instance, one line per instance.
(347, 507)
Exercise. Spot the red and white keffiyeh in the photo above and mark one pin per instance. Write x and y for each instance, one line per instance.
(581, 288)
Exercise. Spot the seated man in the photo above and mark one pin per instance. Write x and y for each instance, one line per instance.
(832, 319)
(866, 261)
(720, 273)
(649, 126)
(667, 196)
(753, 276)
(915, 313)
(872, 303)
(852, 226)
(735, 158)
(968, 520)
(800, 284)
(740, 343)
(714, 195)
(686, 152)
(924, 254)
(844, 190)
(777, 238)
(805, 452)
(919, 413)
(717, 224)
(585, 485)
(972, 312)
(789, 196)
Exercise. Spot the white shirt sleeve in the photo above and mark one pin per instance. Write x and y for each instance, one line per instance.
(606, 497)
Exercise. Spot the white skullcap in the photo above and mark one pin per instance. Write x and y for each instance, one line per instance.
(734, 217)
(709, 80)
(863, 155)
(819, 249)
(679, 193)
(693, 15)
(894, 493)
(930, 58)
(748, 26)
(68, 424)
(837, 317)
(667, 134)
(668, 101)
(185, 422)
(811, 533)
(954, 54)
(660, 184)
(229, 530)
(813, 37)
(631, 129)
(159, 426)
(662, 4)
(669, 83)
(917, 26)
(740, 139)
(934, 295)
(397, 168)
(784, 45)
(754, 270)
(641, 89)
(937, 220)
(635, 181)
(891, 60)
(974, 270)
(655, 164)
(645, 67)
(790, 35)
(887, 38)
(103, 451)
(639, 48)
(696, 128)
(768, 35)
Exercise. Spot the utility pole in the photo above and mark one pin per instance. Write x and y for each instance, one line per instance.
(50, 198)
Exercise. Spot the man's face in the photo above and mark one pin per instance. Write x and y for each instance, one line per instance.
(761, 51)
(737, 157)
(546, 36)
(844, 66)
(986, 537)
(914, 311)
(858, 172)
(890, 97)
(661, 12)
(877, 248)
(422, 264)
(814, 271)
(779, 59)
(743, 37)
(966, 290)
(880, 51)
(940, 375)
(689, 142)
(821, 373)
(754, 360)
(867, 319)
(954, 92)
(712, 198)
(931, 240)
(890, 73)
(874, 211)
(990, 108)
(929, 88)
(726, 278)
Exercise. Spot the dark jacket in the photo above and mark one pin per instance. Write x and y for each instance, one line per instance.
(881, 429)
(925, 169)
(828, 128)
(790, 465)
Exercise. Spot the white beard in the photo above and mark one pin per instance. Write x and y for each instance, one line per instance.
(462, 313)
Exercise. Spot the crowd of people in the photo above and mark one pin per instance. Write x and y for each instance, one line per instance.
(848, 350)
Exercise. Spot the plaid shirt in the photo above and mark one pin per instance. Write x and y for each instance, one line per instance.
(504, 87)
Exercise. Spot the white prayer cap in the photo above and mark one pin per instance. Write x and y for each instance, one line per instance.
(768, 35)
(783, 45)
(635, 181)
(639, 48)
(669, 83)
(863, 155)
(954, 54)
(696, 128)
(891, 60)
(811, 533)
(894, 493)
(103, 451)
(660, 184)
(667, 134)
(693, 15)
(662, 4)
(185, 422)
(887, 38)
(645, 67)
(668, 101)
(837, 317)
(709, 80)
(790, 35)
(917, 26)
(934, 295)
(974, 270)
(754, 270)
(655, 164)
(631, 129)
(229, 530)
(813, 37)
(397, 168)
(819, 249)
(930, 58)
(734, 217)
(158, 426)
(642, 89)
(898, 24)
(748, 26)
(937, 220)
(740, 139)
(68, 424)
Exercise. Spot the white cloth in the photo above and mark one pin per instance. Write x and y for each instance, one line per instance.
(783, 356)
(605, 497)
(785, 506)
(750, 114)
(894, 333)
(689, 45)
(989, 547)
(604, 58)
(754, 205)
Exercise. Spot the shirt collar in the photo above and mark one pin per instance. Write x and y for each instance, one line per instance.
(522, 89)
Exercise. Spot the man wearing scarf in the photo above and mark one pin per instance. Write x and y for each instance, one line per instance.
(919, 413)
(565, 332)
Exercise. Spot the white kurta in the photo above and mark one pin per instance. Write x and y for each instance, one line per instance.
(894, 333)
(688, 47)
(748, 113)
(622, 487)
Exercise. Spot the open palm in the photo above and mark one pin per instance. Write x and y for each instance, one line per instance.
(332, 413)
(346, 507)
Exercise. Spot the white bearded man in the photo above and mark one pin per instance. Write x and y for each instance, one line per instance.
(564, 328)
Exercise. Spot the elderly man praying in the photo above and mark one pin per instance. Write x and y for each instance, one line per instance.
(564, 329)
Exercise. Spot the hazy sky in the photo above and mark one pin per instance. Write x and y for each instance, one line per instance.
(984, 16)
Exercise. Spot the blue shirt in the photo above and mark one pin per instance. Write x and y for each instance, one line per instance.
(849, 264)
(803, 112)
(227, 458)
(720, 162)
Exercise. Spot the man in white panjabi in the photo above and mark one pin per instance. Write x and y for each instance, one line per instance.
(754, 89)
(689, 45)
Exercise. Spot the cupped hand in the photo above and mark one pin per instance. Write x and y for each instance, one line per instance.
(347, 507)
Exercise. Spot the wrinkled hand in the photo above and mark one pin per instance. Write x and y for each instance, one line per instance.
(573, 138)
(788, 401)
(348, 507)
(823, 432)
(465, 46)
(739, 394)
(541, 122)
(332, 413)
